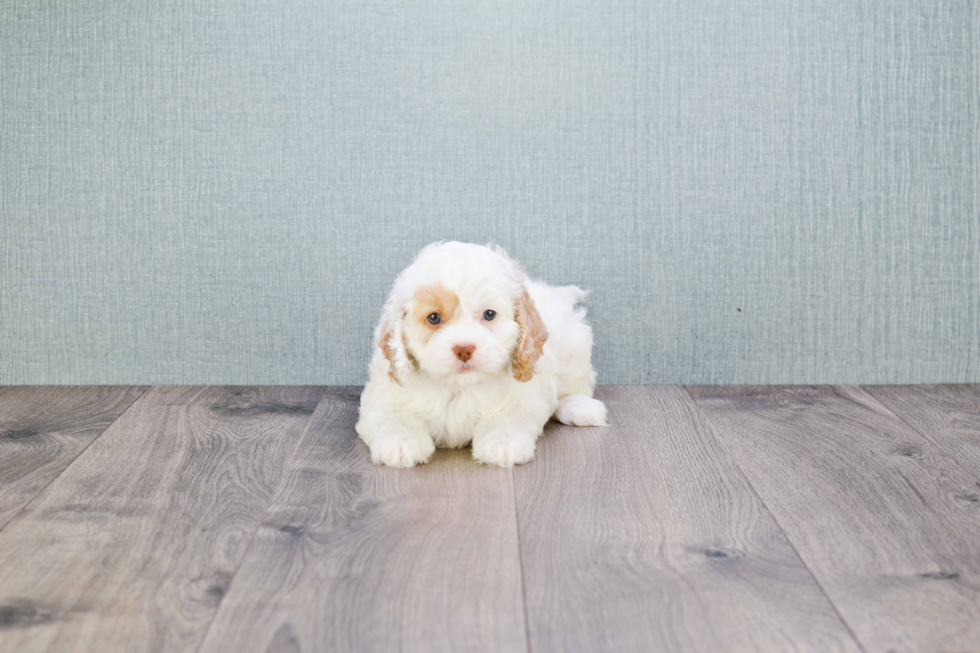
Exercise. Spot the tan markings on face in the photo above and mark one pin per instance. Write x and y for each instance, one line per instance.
(434, 299)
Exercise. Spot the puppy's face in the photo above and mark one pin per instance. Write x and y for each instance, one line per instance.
(461, 313)
(467, 334)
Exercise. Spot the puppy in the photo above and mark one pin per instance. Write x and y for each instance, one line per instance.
(469, 350)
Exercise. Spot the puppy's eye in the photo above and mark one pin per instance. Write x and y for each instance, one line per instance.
(434, 318)
(489, 315)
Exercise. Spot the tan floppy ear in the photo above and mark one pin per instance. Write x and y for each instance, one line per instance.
(530, 341)
(385, 344)
(392, 344)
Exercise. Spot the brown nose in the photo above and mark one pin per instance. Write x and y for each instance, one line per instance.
(464, 352)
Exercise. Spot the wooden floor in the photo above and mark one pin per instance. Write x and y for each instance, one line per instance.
(702, 519)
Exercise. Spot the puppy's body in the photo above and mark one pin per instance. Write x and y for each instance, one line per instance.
(494, 381)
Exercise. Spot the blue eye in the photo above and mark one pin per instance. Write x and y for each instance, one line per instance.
(434, 318)
(489, 315)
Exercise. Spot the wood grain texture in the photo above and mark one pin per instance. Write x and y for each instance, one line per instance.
(355, 557)
(875, 509)
(948, 415)
(133, 546)
(643, 536)
(44, 428)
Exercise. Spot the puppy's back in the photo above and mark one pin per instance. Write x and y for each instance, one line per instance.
(569, 335)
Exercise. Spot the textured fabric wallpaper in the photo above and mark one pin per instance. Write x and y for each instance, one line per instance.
(756, 191)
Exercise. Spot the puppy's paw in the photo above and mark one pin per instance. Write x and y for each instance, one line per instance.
(402, 450)
(579, 410)
(504, 450)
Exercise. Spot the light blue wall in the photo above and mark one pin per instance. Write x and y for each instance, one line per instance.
(756, 191)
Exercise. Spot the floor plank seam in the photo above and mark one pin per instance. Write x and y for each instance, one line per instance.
(520, 562)
(925, 436)
(782, 530)
(251, 540)
(75, 459)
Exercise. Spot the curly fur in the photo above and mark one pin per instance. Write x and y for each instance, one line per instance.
(530, 342)
(443, 374)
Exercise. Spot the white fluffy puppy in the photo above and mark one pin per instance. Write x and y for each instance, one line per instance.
(469, 350)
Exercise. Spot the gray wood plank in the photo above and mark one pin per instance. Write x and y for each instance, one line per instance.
(644, 536)
(44, 428)
(872, 506)
(948, 415)
(133, 546)
(355, 557)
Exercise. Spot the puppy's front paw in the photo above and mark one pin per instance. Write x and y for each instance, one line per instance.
(505, 450)
(402, 450)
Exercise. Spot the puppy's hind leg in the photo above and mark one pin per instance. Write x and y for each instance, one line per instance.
(580, 410)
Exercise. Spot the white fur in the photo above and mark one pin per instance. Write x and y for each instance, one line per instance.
(440, 401)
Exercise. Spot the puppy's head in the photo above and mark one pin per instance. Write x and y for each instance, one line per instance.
(462, 314)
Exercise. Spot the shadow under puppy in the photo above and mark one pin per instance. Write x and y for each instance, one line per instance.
(470, 350)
